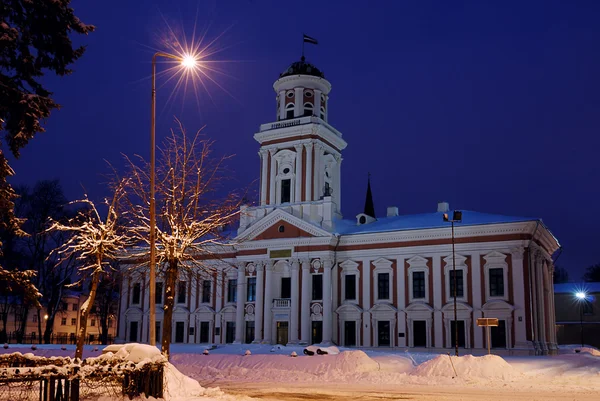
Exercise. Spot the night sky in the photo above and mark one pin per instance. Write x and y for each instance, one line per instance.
(492, 107)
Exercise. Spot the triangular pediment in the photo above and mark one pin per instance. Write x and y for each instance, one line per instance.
(280, 224)
(381, 262)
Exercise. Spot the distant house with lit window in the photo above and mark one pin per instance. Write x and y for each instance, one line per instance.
(575, 313)
(301, 273)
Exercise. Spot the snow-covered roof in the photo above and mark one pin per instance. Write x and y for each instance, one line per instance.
(572, 288)
(423, 221)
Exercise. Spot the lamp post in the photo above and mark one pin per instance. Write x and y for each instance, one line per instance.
(186, 61)
(456, 218)
(581, 298)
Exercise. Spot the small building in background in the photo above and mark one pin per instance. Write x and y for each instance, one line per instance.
(574, 314)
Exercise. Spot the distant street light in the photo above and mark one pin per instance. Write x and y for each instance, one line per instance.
(456, 218)
(187, 61)
(582, 299)
(46, 317)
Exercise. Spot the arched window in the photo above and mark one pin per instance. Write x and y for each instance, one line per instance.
(322, 113)
(289, 110)
(308, 109)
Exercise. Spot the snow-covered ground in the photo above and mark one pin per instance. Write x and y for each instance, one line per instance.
(230, 373)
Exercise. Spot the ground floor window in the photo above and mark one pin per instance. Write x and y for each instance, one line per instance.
(383, 333)
(498, 335)
(133, 332)
(230, 332)
(419, 333)
(249, 332)
(179, 331)
(204, 332)
(157, 332)
(461, 333)
(350, 333)
(317, 332)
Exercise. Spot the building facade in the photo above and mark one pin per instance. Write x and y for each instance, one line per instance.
(301, 273)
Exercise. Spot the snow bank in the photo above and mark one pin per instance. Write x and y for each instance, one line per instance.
(589, 350)
(486, 367)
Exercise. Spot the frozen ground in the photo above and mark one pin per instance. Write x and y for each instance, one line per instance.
(270, 373)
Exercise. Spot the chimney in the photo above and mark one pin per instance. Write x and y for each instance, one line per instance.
(443, 207)
(392, 211)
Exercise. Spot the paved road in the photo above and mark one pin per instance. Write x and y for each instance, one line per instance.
(329, 392)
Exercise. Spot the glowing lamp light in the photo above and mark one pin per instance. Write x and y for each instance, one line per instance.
(580, 295)
(188, 61)
(45, 317)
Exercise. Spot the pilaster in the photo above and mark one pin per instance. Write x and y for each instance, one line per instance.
(366, 304)
(293, 336)
(272, 184)
(437, 301)
(258, 306)
(267, 332)
(241, 298)
(298, 176)
(264, 160)
(327, 312)
(305, 307)
(308, 176)
(476, 287)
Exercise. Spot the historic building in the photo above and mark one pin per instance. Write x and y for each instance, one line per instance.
(300, 273)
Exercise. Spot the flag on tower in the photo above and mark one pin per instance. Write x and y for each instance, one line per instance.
(308, 39)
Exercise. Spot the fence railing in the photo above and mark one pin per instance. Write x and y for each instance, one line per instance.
(55, 338)
(281, 303)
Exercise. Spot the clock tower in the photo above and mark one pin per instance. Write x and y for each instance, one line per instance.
(300, 151)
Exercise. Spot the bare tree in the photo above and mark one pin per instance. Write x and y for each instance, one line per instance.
(93, 243)
(192, 209)
(107, 299)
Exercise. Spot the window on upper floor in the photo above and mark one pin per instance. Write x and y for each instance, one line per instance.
(34, 318)
(383, 286)
(459, 283)
(418, 284)
(496, 278)
(289, 110)
(136, 294)
(63, 321)
(73, 321)
(232, 290)
(93, 323)
(74, 307)
(206, 291)
(251, 293)
(308, 109)
(350, 285)
(181, 292)
(286, 190)
(317, 287)
(286, 287)
(64, 306)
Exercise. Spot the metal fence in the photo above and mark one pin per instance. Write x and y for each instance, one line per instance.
(57, 338)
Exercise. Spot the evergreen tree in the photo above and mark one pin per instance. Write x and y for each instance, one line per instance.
(592, 274)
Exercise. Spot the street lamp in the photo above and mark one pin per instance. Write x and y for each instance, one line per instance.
(187, 61)
(582, 299)
(456, 218)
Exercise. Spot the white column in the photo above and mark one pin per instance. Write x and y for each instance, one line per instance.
(541, 313)
(317, 103)
(437, 301)
(519, 288)
(299, 104)
(366, 290)
(476, 286)
(295, 302)
(272, 185)
(298, 178)
(264, 159)
(334, 303)
(268, 302)
(281, 105)
(318, 173)
(308, 178)
(327, 312)
(241, 297)
(258, 306)
(401, 280)
(305, 307)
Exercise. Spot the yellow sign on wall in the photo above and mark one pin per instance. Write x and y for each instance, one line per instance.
(280, 253)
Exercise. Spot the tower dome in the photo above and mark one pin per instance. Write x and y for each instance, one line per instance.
(302, 91)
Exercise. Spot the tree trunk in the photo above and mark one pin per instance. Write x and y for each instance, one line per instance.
(85, 312)
(167, 324)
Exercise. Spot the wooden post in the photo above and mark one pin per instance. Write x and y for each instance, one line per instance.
(489, 343)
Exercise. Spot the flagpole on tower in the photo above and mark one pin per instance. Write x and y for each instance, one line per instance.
(306, 38)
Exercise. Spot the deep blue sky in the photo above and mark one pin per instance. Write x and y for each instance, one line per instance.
(492, 106)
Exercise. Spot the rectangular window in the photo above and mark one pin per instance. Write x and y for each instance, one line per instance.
(181, 291)
(93, 323)
(418, 284)
(251, 295)
(286, 287)
(158, 293)
(383, 286)
(249, 332)
(459, 283)
(286, 190)
(317, 287)
(206, 291)
(63, 321)
(496, 282)
(74, 307)
(136, 292)
(350, 282)
(73, 321)
(65, 306)
(232, 291)
(34, 318)
(204, 332)
(229, 332)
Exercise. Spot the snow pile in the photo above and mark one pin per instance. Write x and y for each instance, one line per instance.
(485, 367)
(179, 385)
(589, 350)
(355, 362)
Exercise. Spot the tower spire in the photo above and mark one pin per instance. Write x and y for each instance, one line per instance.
(369, 206)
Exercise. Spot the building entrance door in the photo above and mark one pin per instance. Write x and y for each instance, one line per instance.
(461, 333)
(419, 333)
(317, 332)
(204, 332)
(498, 335)
(282, 333)
(133, 332)
(350, 333)
(179, 331)
(383, 333)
